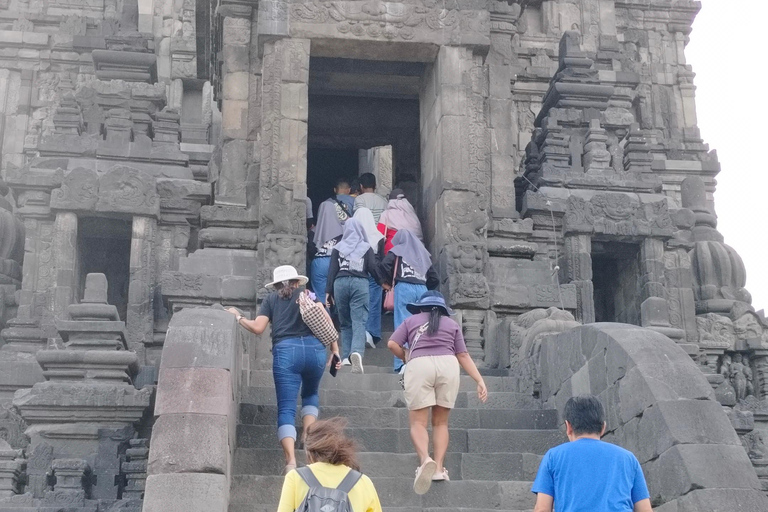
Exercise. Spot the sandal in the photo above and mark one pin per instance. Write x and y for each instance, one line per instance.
(441, 476)
(424, 474)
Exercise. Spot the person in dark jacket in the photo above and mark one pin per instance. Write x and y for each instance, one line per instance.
(411, 265)
(352, 261)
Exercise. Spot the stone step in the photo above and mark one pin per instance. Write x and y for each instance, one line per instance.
(356, 398)
(255, 491)
(271, 508)
(397, 417)
(398, 440)
(384, 381)
(461, 466)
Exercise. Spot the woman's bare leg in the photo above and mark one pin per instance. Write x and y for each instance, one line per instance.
(419, 436)
(440, 434)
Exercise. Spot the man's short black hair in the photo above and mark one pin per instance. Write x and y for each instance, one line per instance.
(341, 183)
(354, 187)
(367, 180)
(585, 414)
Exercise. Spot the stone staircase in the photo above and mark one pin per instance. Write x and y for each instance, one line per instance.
(493, 455)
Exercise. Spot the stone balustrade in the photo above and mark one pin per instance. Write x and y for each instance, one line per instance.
(193, 439)
(659, 406)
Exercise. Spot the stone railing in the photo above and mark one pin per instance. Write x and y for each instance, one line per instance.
(193, 439)
(658, 405)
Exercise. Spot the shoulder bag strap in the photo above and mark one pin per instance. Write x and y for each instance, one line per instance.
(308, 476)
(349, 481)
(394, 271)
(422, 329)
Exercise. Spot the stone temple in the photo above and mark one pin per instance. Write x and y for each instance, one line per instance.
(156, 157)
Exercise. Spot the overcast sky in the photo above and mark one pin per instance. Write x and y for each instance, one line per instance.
(728, 54)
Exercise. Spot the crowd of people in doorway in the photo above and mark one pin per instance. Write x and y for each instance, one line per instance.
(362, 245)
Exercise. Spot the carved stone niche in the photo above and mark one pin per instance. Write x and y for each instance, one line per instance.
(459, 218)
(284, 250)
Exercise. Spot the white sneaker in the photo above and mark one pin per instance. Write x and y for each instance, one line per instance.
(357, 362)
(345, 362)
(402, 370)
(369, 340)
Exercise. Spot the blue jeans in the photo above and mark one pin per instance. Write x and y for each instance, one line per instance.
(350, 294)
(405, 293)
(297, 363)
(319, 276)
(373, 325)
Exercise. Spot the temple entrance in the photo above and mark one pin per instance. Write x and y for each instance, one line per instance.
(104, 246)
(324, 168)
(359, 110)
(617, 288)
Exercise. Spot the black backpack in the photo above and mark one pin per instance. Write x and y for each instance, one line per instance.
(326, 499)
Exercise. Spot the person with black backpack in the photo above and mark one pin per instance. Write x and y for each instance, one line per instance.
(332, 482)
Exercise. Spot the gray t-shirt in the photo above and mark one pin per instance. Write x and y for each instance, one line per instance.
(285, 316)
(374, 202)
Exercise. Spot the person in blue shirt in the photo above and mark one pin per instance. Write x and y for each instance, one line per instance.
(587, 474)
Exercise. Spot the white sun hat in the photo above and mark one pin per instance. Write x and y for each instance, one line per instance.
(285, 273)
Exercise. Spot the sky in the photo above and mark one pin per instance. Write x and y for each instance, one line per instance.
(727, 52)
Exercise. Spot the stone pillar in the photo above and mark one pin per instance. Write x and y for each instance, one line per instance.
(140, 317)
(64, 248)
(236, 39)
(455, 173)
(577, 269)
(504, 16)
(378, 161)
(283, 174)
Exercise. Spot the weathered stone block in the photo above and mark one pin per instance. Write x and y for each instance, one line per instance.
(235, 86)
(684, 468)
(670, 423)
(194, 390)
(200, 338)
(234, 119)
(294, 101)
(186, 492)
(644, 385)
(189, 443)
(717, 500)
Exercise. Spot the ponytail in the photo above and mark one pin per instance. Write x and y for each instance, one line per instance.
(434, 319)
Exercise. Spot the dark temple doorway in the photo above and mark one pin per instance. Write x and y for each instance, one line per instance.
(356, 105)
(104, 246)
(617, 287)
(325, 166)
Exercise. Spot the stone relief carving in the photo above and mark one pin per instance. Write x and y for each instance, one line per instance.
(754, 444)
(716, 331)
(284, 250)
(528, 328)
(617, 214)
(79, 191)
(390, 20)
(279, 213)
(465, 222)
(737, 372)
(466, 258)
(124, 189)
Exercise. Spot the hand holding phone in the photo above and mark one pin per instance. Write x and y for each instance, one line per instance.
(334, 365)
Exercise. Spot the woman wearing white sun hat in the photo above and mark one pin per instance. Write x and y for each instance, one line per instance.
(298, 357)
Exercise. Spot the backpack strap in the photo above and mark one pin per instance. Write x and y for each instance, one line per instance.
(349, 481)
(309, 477)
